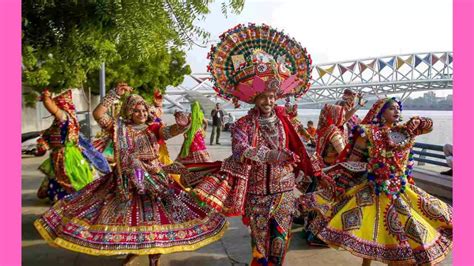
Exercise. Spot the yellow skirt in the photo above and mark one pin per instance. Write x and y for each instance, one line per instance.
(413, 228)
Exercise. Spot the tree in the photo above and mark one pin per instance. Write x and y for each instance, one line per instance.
(159, 71)
(64, 42)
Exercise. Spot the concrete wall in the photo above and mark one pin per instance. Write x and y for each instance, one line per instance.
(38, 118)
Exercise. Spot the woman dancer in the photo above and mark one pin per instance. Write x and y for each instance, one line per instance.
(194, 147)
(373, 209)
(66, 169)
(138, 209)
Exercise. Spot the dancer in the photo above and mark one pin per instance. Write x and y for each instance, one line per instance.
(311, 130)
(156, 111)
(332, 138)
(292, 111)
(257, 181)
(194, 147)
(348, 102)
(138, 209)
(66, 169)
(374, 210)
(333, 133)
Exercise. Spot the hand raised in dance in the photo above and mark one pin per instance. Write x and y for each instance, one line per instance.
(182, 119)
(362, 101)
(45, 94)
(412, 125)
(122, 88)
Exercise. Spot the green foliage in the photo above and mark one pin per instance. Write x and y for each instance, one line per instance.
(165, 68)
(141, 42)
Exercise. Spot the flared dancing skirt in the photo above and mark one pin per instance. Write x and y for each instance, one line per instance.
(99, 221)
(197, 151)
(414, 228)
(67, 170)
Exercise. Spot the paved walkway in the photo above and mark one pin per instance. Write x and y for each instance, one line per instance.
(232, 249)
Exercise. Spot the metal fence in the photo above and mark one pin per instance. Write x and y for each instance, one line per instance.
(430, 154)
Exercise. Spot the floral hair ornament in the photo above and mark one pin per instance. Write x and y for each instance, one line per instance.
(252, 59)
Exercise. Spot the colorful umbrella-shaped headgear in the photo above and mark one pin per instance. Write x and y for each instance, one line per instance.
(253, 59)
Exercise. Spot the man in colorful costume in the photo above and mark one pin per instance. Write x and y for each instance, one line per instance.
(258, 65)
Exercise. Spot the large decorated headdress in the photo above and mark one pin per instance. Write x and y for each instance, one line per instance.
(375, 113)
(253, 59)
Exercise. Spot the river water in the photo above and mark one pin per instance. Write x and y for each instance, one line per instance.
(442, 122)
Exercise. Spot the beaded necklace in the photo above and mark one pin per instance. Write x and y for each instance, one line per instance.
(387, 159)
(269, 125)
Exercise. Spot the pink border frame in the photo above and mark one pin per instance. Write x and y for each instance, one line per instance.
(10, 155)
(463, 127)
(10, 66)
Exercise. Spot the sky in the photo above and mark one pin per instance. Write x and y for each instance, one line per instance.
(342, 30)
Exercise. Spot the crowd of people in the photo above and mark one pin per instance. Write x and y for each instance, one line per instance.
(129, 196)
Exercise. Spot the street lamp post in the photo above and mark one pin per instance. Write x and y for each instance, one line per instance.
(102, 81)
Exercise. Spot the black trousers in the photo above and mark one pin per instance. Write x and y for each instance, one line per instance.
(216, 130)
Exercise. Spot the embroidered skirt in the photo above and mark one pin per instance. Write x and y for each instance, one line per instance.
(98, 221)
(197, 151)
(67, 171)
(413, 228)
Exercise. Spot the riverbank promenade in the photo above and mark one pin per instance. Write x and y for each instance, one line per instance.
(232, 250)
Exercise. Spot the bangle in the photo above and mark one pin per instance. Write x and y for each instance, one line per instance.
(105, 121)
(110, 98)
